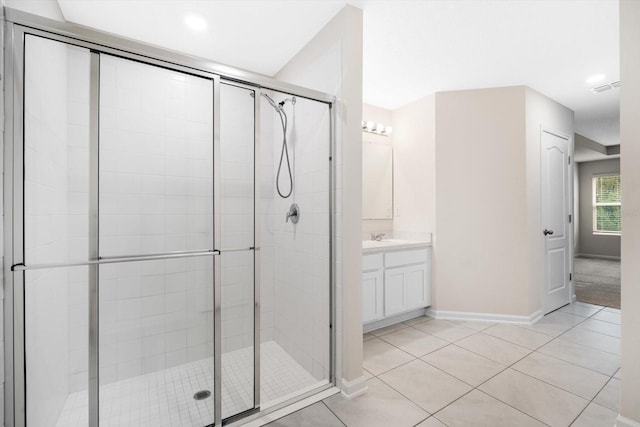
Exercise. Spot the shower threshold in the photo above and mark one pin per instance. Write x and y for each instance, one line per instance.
(166, 397)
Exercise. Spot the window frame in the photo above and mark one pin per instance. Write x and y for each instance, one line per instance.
(595, 205)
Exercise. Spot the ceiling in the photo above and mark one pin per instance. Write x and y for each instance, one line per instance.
(411, 48)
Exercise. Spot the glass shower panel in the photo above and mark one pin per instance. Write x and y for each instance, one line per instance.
(237, 137)
(56, 209)
(156, 343)
(295, 258)
(56, 138)
(156, 159)
(56, 347)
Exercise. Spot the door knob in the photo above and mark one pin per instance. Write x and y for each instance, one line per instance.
(547, 232)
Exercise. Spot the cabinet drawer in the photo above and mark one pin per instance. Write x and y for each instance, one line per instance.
(371, 262)
(396, 259)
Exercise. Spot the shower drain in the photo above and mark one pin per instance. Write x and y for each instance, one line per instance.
(202, 394)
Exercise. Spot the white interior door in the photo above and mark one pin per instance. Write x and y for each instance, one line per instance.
(555, 221)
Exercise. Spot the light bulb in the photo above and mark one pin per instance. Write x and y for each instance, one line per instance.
(195, 22)
(596, 78)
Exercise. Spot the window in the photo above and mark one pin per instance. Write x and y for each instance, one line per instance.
(606, 204)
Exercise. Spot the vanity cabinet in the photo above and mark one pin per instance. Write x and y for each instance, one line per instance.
(394, 282)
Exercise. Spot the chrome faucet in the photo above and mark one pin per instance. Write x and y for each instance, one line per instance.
(377, 237)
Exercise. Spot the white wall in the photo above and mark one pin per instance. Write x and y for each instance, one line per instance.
(47, 8)
(414, 145)
(488, 199)
(589, 243)
(629, 160)
(480, 202)
(332, 62)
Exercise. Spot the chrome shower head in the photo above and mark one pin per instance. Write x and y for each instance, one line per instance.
(277, 107)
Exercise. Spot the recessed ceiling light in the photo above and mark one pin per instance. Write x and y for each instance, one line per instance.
(195, 22)
(596, 78)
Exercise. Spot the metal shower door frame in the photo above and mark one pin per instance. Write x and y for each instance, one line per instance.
(17, 26)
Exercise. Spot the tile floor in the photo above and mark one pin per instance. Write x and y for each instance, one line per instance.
(561, 371)
(165, 398)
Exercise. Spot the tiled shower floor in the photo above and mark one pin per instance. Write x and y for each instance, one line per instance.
(165, 398)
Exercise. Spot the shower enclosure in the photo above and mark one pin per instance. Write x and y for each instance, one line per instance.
(154, 276)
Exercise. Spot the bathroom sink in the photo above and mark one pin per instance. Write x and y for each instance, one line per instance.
(382, 243)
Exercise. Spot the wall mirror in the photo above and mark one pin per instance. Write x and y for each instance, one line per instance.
(377, 180)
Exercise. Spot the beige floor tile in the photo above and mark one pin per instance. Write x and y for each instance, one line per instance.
(618, 374)
(567, 376)
(380, 356)
(379, 406)
(417, 320)
(520, 336)
(481, 410)
(594, 340)
(316, 415)
(414, 342)
(426, 386)
(555, 323)
(609, 397)
(388, 329)
(367, 337)
(581, 309)
(494, 348)
(431, 422)
(596, 416)
(464, 364)
(602, 327)
(474, 324)
(446, 330)
(589, 358)
(367, 375)
(540, 400)
(607, 316)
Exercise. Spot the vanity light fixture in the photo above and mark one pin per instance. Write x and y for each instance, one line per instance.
(377, 128)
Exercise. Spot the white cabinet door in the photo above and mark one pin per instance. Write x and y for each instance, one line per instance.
(417, 293)
(394, 291)
(406, 288)
(372, 295)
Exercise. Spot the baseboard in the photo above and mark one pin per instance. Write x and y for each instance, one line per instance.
(354, 388)
(485, 317)
(626, 422)
(388, 321)
(596, 256)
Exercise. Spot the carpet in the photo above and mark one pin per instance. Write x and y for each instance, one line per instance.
(597, 281)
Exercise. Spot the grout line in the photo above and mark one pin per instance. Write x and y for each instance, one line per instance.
(331, 410)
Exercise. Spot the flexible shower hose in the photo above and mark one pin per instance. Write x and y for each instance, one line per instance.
(284, 153)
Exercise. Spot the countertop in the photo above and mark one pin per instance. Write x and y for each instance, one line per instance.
(371, 246)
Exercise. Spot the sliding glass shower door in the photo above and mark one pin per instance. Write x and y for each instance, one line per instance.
(138, 309)
(156, 317)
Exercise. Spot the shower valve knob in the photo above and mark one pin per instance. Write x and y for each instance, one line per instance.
(293, 214)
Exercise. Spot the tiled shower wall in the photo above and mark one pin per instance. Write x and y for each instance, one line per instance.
(301, 251)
